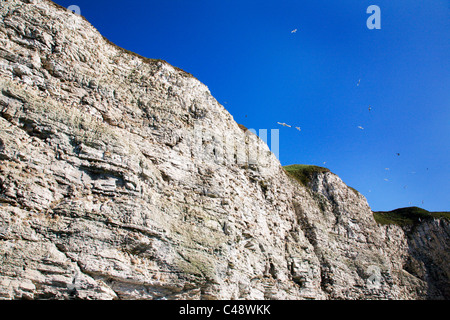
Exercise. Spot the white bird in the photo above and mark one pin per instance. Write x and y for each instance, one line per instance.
(298, 128)
(284, 124)
(386, 168)
(360, 127)
(359, 81)
(294, 31)
(386, 179)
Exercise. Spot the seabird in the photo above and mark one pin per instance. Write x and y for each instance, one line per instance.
(284, 124)
(298, 128)
(294, 31)
(360, 127)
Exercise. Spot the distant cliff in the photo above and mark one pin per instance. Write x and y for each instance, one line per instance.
(121, 177)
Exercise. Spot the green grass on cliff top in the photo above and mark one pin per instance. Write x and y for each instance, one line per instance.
(304, 173)
(409, 216)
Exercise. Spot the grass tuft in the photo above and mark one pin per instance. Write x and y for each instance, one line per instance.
(409, 216)
(242, 127)
(304, 173)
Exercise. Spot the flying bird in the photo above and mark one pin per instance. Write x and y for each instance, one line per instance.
(360, 127)
(386, 168)
(398, 154)
(298, 128)
(370, 108)
(359, 81)
(386, 179)
(294, 31)
(284, 124)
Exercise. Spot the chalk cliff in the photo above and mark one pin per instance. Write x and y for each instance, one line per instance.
(121, 177)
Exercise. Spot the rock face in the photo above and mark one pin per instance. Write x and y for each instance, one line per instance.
(121, 177)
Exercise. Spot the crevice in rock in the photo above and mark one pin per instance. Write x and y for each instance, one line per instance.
(310, 233)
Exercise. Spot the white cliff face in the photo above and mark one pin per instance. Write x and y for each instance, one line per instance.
(429, 256)
(123, 178)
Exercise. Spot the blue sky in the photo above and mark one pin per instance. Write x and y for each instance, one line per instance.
(262, 73)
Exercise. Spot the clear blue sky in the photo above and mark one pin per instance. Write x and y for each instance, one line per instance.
(262, 73)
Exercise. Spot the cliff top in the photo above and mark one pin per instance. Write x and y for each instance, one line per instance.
(304, 173)
(408, 216)
(134, 54)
